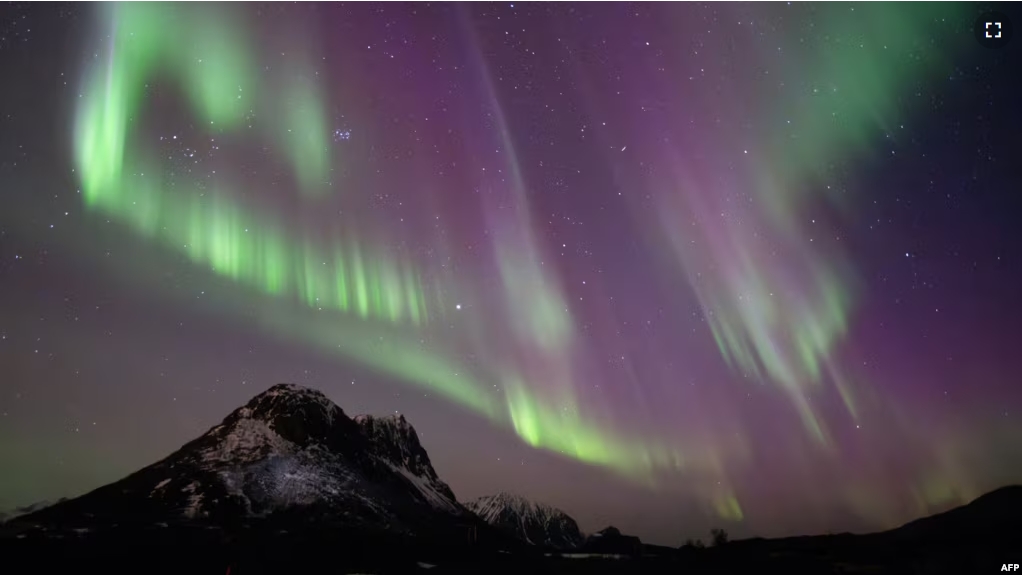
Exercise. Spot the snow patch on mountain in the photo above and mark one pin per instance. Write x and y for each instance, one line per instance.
(193, 506)
(248, 440)
(395, 442)
(532, 522)
(287, 396)
(428, 489)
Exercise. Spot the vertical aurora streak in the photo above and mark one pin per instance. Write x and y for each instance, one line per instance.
(777, 299)
(257, 254)
(231, 240)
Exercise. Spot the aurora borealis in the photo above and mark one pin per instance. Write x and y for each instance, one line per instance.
(663, 266)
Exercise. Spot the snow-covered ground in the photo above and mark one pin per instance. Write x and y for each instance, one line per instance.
(587, 555)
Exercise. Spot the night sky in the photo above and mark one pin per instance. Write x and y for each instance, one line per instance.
(666, 267)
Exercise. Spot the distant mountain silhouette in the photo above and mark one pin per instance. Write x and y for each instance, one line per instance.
(610, 541)
(534, 523)
(989, 516)
(25, 510)
(977, 537)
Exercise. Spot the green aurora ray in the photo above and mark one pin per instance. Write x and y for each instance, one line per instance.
(788, 340)
(779, 303)
(120, 178)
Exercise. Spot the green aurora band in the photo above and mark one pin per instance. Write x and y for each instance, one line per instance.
(210, 228)
(214, 232)
(788, 340)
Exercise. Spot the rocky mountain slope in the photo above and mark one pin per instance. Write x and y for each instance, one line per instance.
(289, 450)
(531, 522)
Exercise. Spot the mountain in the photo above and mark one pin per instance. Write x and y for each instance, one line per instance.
(531, 522)
(610, 541)
(25, 510)
(288, 451)
(394, 441)
(989, 517)
(980, 535)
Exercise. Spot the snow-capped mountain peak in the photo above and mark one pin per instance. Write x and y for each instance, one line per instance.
(491, 505)
(289, 447)
(285, 404)
(281, 421)
(530, 521)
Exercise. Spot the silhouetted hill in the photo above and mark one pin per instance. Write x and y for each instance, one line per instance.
(990, 516)
(967, 539)
(610, 541)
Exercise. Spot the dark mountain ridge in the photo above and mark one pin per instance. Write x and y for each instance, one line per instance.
(973, 538)
(532, 522)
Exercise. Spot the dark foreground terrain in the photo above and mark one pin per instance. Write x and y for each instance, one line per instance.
(288, 483)
(976, 538)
